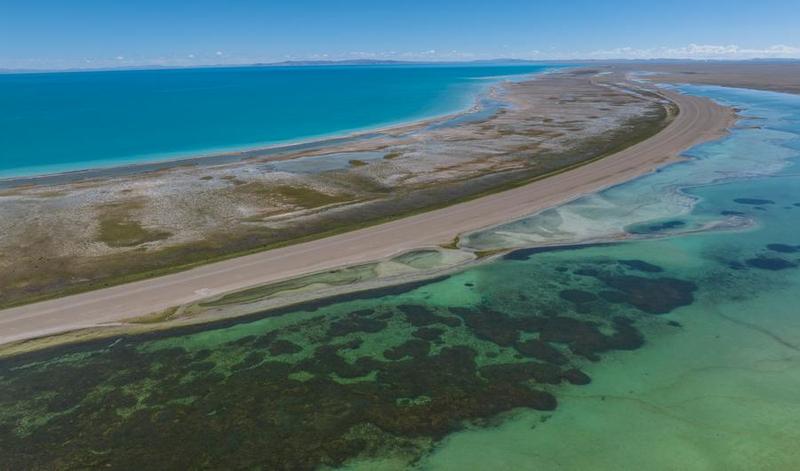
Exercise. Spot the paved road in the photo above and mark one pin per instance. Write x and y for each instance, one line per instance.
(699, 120)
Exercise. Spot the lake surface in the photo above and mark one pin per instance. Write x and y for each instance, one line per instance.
(69, 121)
(677, 349)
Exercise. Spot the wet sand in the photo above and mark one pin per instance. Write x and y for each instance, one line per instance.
(699, 120)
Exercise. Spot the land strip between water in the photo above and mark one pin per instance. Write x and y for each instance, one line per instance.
(88, 231)
(699, 120)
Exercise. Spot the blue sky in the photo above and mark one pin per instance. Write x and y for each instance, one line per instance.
(104, 33)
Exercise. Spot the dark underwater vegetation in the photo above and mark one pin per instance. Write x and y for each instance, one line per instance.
(360, 377)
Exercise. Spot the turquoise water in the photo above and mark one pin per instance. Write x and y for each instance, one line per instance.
(69, 121)
(763, 144)
(715, 385)
(676, 349)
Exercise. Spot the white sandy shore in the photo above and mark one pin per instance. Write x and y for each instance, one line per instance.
(699, 120)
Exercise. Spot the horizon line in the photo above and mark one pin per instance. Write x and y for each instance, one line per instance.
(315, 62)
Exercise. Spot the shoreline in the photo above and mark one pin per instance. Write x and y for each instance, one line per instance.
(265, 151)
(699, 120)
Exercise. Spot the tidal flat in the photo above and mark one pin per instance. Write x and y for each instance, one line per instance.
(675, 349)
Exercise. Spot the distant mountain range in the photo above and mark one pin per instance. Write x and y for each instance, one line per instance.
(396, 62)
(307, 63)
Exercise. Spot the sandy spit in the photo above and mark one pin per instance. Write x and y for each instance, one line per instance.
(699, 120)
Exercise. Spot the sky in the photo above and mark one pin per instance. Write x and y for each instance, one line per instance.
(58, 34)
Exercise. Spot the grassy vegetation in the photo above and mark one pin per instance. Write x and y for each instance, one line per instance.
(357, 163)
(118, 229)
(308, 197)
(293, 194)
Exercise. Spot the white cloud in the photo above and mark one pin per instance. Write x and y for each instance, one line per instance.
(692, 51)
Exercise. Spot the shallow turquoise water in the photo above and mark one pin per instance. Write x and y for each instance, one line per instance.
(764, 143)
(68, 121)
(714, 390)
(678, 349)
